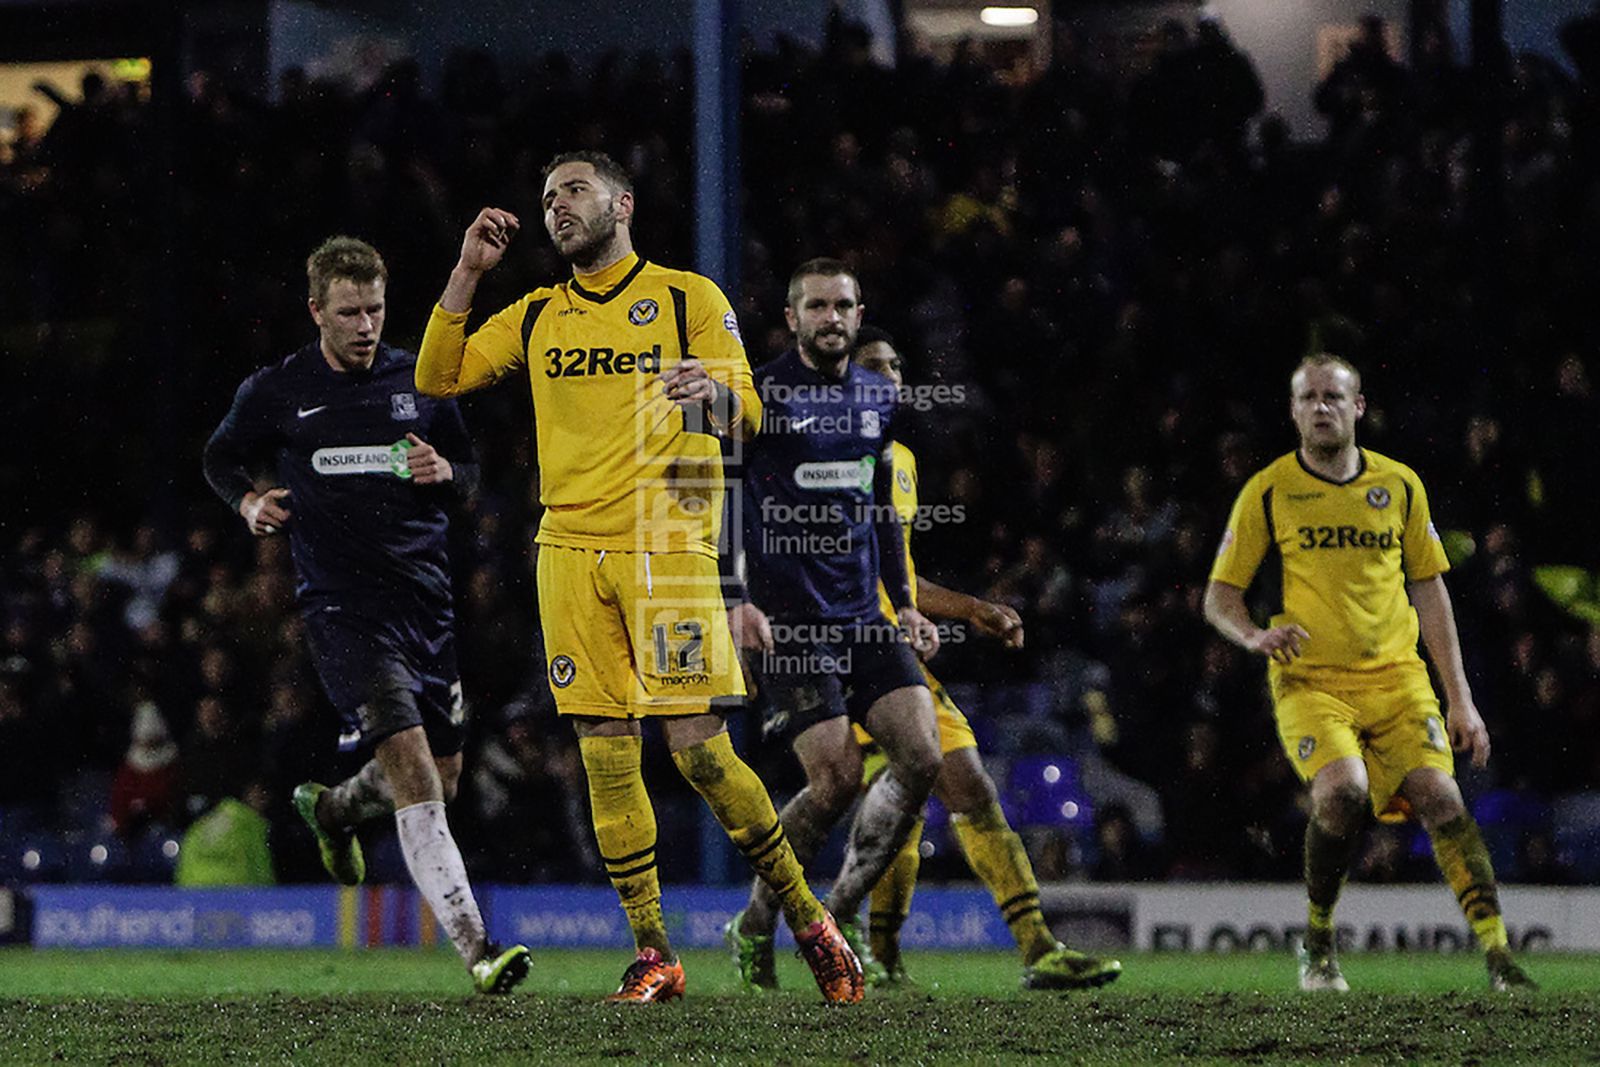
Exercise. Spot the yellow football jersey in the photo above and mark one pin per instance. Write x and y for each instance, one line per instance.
(621, 467)
(905, 505)
(1346, 551)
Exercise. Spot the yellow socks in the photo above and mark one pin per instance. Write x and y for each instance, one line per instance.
(743, 807)
(1327, 861)
(1462, 856)
(890, 902)
(625, 828)
(996, 855)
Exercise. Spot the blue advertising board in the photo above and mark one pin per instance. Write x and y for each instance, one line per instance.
(582, 916)
(546, 916)
(167, 917)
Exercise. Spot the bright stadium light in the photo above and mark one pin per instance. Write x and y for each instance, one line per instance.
(1009, 16)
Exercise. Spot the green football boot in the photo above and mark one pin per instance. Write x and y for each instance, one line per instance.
(875, 973)
(341, 852)
(1065, 968)
(752, 956)
(498, 972)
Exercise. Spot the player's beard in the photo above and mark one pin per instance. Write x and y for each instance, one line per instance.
(596, 236)
(823, 357)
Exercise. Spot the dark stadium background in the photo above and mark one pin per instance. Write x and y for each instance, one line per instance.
(1116, 238)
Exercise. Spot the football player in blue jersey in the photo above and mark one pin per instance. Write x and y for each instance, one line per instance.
(819, 530)
(360, 469)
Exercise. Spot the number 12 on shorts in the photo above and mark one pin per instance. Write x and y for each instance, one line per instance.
(688, 657)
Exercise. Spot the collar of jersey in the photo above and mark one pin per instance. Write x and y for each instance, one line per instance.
(1361, 468)
(313, 353)
(613, 279)
(850, 367)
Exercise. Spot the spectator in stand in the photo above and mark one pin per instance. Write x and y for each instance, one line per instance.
(145, 790)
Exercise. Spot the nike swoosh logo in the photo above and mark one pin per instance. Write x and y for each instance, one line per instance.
(803, 423)
(303, 412)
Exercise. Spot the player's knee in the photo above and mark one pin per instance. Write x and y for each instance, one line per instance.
(1340, 808)
(1435, 800)
(918, 770)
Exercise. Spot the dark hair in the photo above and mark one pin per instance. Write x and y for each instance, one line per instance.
(821, 267)
(875, 335)
(608, 170)
(343, 257)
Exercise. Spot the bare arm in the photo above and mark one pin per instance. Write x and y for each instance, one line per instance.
(994, 620)
(1437, 621)
(1225, 610)
(482, 247)
(443, 364)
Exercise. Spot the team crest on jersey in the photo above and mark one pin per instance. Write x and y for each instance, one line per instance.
(871, 424)
(562, 671)
(1378, 497)
(402, 406)
(643, 312)
(1308, 745)
(902, 478)
(730, 322)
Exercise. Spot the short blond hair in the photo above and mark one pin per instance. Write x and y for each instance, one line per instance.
(1325, 359)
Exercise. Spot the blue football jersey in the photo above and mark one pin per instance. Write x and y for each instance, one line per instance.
(815, 493)
(359, 527)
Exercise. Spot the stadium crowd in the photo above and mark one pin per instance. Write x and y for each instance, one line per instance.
(1111, 273)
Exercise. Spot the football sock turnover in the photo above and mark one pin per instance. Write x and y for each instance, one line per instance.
(890, 901)
(743, 807)
(435, 865)
(995, 854)
(625, 829)
(362, 796)
(1458, 847)
(1327, 860)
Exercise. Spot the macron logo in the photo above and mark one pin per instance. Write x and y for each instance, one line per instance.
(301, 413)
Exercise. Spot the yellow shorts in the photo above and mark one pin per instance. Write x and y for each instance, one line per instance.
(1391, 723)
(954, 730)
(633, 634)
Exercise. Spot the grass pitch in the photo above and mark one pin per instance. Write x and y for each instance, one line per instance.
(413, 1007)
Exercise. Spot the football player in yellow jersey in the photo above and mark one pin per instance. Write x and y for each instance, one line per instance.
(1362, 575)
(991, 847)
(636, 371)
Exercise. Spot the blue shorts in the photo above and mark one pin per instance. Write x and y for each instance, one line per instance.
(386, 672)
(820, 670)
